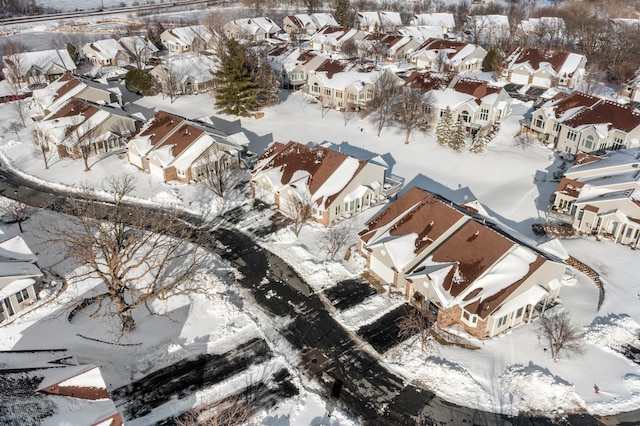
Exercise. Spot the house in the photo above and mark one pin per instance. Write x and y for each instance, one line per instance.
(253, 29)
(172, 148)
(332, 183)
(631, 88)
(600, 195)
(387, 47)
(70, 86)
(543, 67)
(20, 277)
(330, 39)
(106, 53)
(345, 85)
(49, 387)
(140, 50)
(548, 29)
(475, 103)
(445, 21)
(488, 30)
(322, 19)
(187, 74)
(299, 24)
(422, 33)
(294, 64)
(37, 67)
(389, 21)
(368, 21)
(582, 123)
(79, 125)
(466, 271)
(195, 38)
(447, 55)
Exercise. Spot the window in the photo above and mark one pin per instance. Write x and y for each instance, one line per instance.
(338, 93)
(338, 209)
(538, 122)
(502, 321)
(19, 297)
(484, 114)
(588, 142)
(519, 312)
(618, 143)
(466, 315)
(315, 88)
(556, 127)
(572, 135)
(25, 294)
(629, 231)
(327, 92)
(464, 116)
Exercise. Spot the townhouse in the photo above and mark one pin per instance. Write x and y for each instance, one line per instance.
(465, 270)
(447, 55)
(543, 67)
(37, 67)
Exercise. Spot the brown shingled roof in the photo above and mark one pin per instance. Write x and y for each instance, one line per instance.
(575, 99)
(331, 67)
(616, 115)
(182, 138)
(160, 126)
(583, 158)
(570, 187)
(477, 88)
(475, 248)
(426, 81)
(535, 56)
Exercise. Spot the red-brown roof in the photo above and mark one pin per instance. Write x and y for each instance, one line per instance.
(182, 138)
(331, 67)
(160, 126)
(574, 100)
(426, 81)
(583, 158)
(616, 115)
(477, 88)
(535, 56)
(570, 187)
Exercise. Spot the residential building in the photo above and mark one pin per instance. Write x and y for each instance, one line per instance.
(332, 183)
(20, 277)
(252, 29)
(80, 127)
(172, 148)
(330, 39)
(543, 67)
(447, 55)
(186, 74)
(582, 123)
(322, 19)
(195, 38)
(294, 64)
(465, 270)
(299, 24)
(49, 387)
(106, 53)
(445, 21)
(600, 195)
(70, 86)
(37, 67)
(140, 50)
(344, 85)
(387, 47)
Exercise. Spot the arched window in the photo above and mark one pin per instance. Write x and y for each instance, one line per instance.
(588, 142)
(464, 116)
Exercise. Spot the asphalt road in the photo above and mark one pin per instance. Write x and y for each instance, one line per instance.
(351, 373)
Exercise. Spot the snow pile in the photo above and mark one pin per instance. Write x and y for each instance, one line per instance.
(614, 331)
(531, 388)
(167, 198)
(368, 311)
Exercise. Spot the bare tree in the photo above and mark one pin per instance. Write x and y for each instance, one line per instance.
(139, 255)
(16, 74)
(562, 334)
(15, 127)
(298, 210)
(312, 5)
(84, 141)
(415, 321)
(594, 81)
(411, 111)
(42, 149)
(233, 411)
(16, 212)
(220, 174)
(334, 238)
(385, 93)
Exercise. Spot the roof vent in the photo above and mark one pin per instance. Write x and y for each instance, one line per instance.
(475, 234)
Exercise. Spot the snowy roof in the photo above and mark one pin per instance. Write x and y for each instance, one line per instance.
(624, 158)
(368, 19)
(317, 172)
(422, 32)
(185, 36)
(531, 25)
(137, 44)
(185, 66)
(58, 92)
(15, 286)
(322, 19)
(452, 99)
(16, 248)
(444, 20)
(390, 19)
(104, 49)
(44, 59)
(255, 25)
(19, 269)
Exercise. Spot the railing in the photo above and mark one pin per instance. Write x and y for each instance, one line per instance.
(555, 215)
(392, 185)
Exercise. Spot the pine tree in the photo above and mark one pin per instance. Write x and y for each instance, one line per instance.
(73, 52)
(236, 92)
(445, 128)
(457, 140)
(342, 13)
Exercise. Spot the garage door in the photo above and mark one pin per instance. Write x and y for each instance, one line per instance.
(135, 160)
(156, 171)
(381, 270)
(520, 78)
(541, 82)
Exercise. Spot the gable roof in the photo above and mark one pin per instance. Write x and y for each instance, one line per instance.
(561, 62)
(43, 60)
(104, 49)
(318, 172)
(445, 20)
(428, 80)
(613, 114)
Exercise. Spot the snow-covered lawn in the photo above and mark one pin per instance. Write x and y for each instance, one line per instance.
(509, 374)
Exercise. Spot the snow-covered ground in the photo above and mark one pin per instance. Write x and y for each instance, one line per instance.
(509, 374)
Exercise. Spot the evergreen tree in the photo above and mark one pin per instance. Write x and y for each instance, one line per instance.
(73, 52)
(457, 140)
(236, 92)
(342, 14)
(444, 129)
(138, 81)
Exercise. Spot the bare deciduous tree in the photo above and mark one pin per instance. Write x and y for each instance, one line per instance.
(385, 92)
(562, 334)
(15, 127)
(415, 321)
(298, 210)
(16, 212)
(233, 411)
(41, 148)
(84, 140)
(139, 255)
(334, 238)
(16, 73)
(220, 173)
(411, 111)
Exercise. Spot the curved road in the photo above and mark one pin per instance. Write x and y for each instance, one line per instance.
(351, 375)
